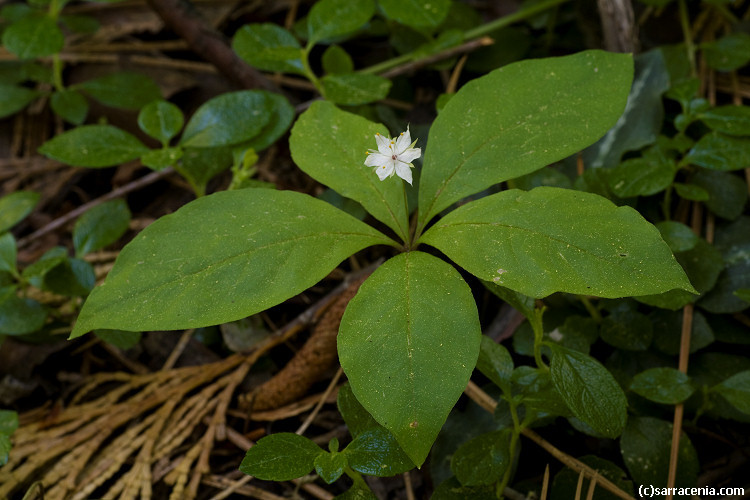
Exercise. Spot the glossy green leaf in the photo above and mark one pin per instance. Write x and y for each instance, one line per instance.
(355, 88)
(550, 239)
(223, 257)
(736, 390)
(642, 176)
(727, 192)
(691, 192)
(416, 13)
(336, 61)
(70, 105)
(330, 466)
(482, 460)
(677, 235)
(518, 119)
(200, 165)
(158, 159)
(281, 457)
(14, 207)
(333, 18)
(100, 226)
(126, 90)
(376, 452)
(356, 417)
(730, 120)
(282, 114)
(589, 390)
(94, 146)
(662, 385)
(21, 316)
(720, 152)
(728, 53)
(32, 36)
(14, 98)
(495, 363)
(230, 118)
(418, 319)
(119, 338)
(330, 146)
(269, 47)
(8, 253)
(161, 119)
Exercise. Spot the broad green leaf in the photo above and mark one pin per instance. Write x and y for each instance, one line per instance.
(643, 176)
(720, 152)
(356, 417)
(94, 146)
(330, 466)
(161, 119)
(354, 88)
(8, 253)
(418, 319)
(589, 390)
(21, 316)
(336, 61)
(677, 235)
(730, 120)
(518, 119)
(119, 338)
(200, 165)
(667, 327)
(330, 146)
(70, 105)
(281, 457)
(546, 176)
(482, 460)
(566, 481)
(282, 114)
(645, 446)
(14, 207)
(14, 98)
(662, 385)
(416, 13)
(376, 452)
(728, 53)
(520, 302)
(100, 226)
(691, 192)
(158, 159)
(228, 119)
(727, 192)
(550, 239)
(334, 18)
(221, 258)
(736, 390)
(124, 90)
(33, 36)
(495, 363)
(269, 47)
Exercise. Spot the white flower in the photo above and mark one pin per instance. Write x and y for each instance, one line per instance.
(393, 156)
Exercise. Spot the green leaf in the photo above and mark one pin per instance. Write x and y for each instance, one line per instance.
(727, 192)
(8, 422)
(538, 392)
(119, 338)
(124, 90)
(269, 47)
(691, 192)
(417, 317)
(484, 136)
(282, 114)
(281, 457)
(158, 159)
(334, 18)
(8, 253)
(482, 460)
(14, 98)
(94, 146)
(451, 489)
(14, 207)
(70, 105)
(33, 36)
(100, 226)
(330, 146)
(71, 277)
(743, 293)
(642, 176)
(667, 327)
(330, 466)
(357, 492)
(730, 120)
(355, 88)
(228, 119)
(550, 239)
(736, 390)
(21, 316)
(728, 53)
(677, 235)
(161, 119)
(662, 385)
(223, 257)
(589, 390)
(627, 329)
(5, 447)
(520, 302)
(376, 452)
(720, 152)
(85, 25)
(336, 61)
(495, 363)
(733, 241)
(416, 13)
(356, 417)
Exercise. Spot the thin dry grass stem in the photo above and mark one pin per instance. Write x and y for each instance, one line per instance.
(321, 402)
(239, 487)
(464, 48)
(592, 488)
(579, 486)
(178, 349)
(455, 75)
(545, 483)
(232, 487)
(408, 486)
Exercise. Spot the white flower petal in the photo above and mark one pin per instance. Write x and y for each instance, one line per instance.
(384, 144)
(377, 160)
(404, 171)
(410, 155)
(403, 141)
(385, 171)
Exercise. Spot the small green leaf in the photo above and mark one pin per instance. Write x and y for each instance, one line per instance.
(736, 390)
(662, 385)
(627, 329)
(495, 363)
(550, 239)
(668, 331)
(728, 53)
(21, 316)
(14, 207)
(14, 98)
(33, 36)
(416, 13)
(282, 115)
(730, 120)
(377, 453)
(228, 119)
(100, 226)
(354, 414)
(720, 152)
(642, 176)
(8, 422)
(727, 192)
(330, 466)
(161, 119)
(691, 192)
(336, 61)
(70, 105)
(483, 459)
(744, 294)
(94, 146)
(677, 235)
(281, 457)
(334, 18)
(119, 338)
(538, 392)
(8, 253)
(71, 277)
(200, 165)
(158, 159)
(192, 264)
(589, 390)
(269, 47)
(417, 317)
(124, 90)
(355, 88)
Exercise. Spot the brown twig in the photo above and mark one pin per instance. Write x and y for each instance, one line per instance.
(410, 66)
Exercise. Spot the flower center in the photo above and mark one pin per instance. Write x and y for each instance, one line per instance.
(393, 157)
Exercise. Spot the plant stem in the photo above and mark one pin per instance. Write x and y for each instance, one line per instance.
(408, 235)
(688, 37)
(593, 311)
(538, 327)
(308, 71)
(512, 448)
(57, 73)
